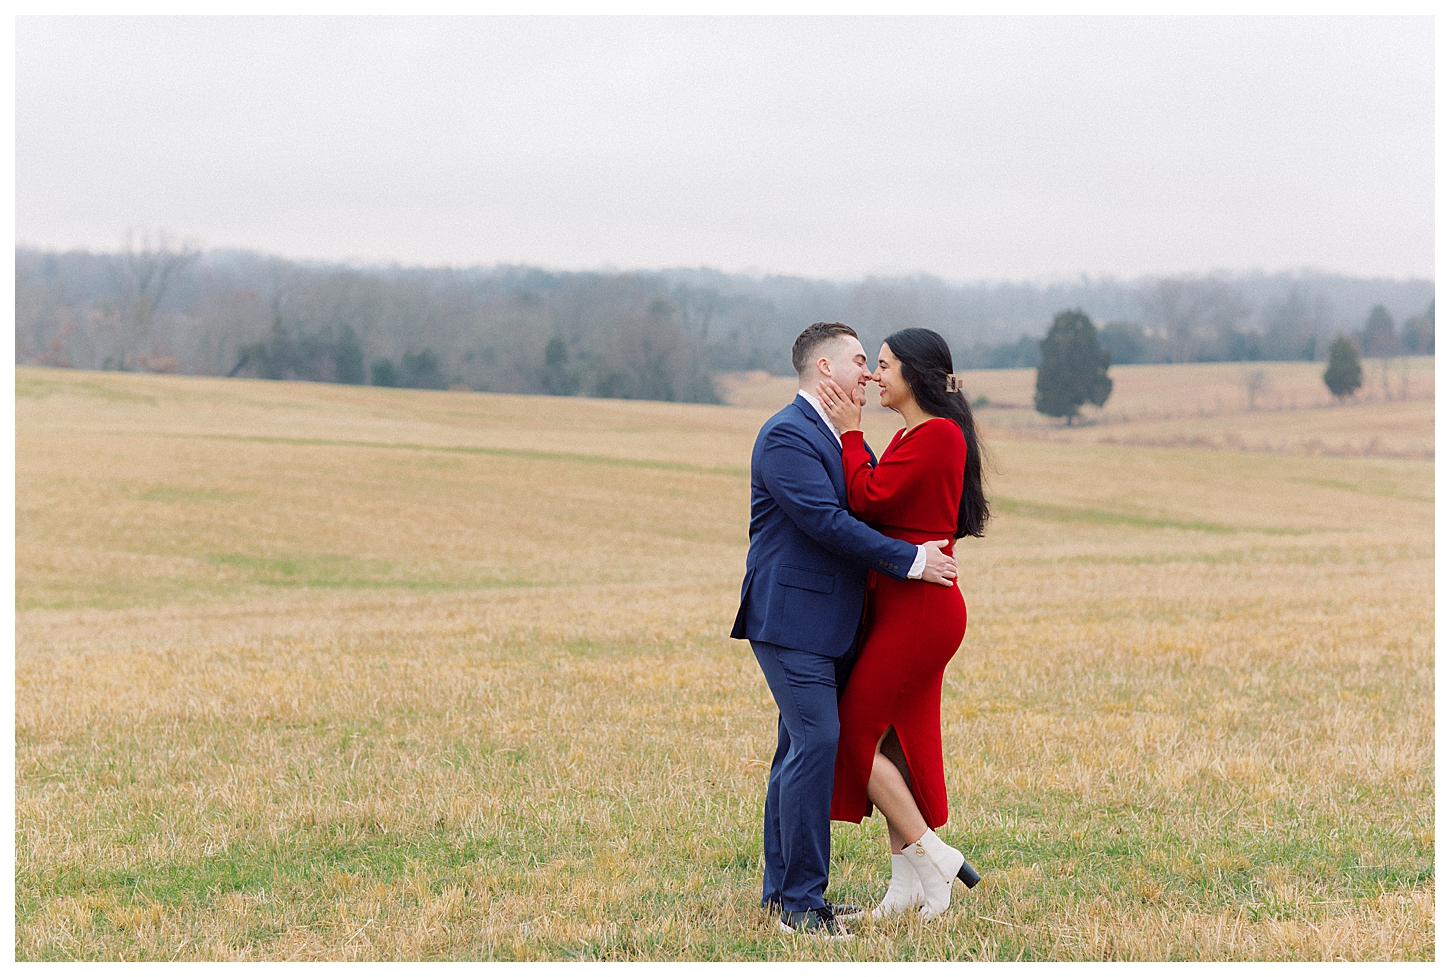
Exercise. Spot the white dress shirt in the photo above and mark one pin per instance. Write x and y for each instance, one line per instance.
(918, 564)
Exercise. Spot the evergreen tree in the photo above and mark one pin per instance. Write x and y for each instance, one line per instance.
(1074, 367)
(422, 370)
(1125, 341)
(1378, 338)
(284, 355)
(1344, 376)
(347, 357)
(1418, 336)
(556, 378)
(385, 374)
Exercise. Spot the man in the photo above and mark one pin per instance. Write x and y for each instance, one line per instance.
(800, 607)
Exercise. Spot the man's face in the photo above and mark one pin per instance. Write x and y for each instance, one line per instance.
(847, 365)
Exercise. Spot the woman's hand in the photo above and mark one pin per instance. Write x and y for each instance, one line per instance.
(841, 407)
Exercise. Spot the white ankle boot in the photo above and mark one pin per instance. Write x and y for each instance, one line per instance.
(904, 892)
(936, 864)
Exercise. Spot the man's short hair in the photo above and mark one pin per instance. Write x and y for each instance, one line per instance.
(816, 335)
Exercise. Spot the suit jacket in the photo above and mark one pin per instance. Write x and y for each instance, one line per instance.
(805, 573)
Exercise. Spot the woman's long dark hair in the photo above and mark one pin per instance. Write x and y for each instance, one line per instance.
(926, 362)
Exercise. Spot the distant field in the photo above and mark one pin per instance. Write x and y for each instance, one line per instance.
(1203, 405)
(317, 672)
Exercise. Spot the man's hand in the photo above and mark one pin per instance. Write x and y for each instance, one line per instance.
(843, 407)
(940, 568)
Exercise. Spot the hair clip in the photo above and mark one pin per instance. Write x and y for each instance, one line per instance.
(954, 383)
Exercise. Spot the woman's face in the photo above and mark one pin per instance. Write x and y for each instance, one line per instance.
(895, 391)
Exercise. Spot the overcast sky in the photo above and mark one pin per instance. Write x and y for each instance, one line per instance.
(965, 148)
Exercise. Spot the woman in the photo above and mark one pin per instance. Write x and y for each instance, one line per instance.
(927, 485)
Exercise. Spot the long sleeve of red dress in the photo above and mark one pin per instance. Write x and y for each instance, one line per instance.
(915, 485)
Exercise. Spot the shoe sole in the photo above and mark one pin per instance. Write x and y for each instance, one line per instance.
(817, 932)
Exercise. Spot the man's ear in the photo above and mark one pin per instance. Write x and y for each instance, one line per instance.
(824, 365)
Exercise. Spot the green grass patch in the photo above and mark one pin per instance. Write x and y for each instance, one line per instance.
(296, 860)
(31, 386)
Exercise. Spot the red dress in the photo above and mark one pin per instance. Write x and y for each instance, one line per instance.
(912, 628)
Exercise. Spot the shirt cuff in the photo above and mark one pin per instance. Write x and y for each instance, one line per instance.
(918, 564)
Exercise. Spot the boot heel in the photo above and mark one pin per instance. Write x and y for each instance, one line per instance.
(968, 875)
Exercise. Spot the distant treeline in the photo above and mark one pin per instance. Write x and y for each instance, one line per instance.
(1209, 321)
(162, 306)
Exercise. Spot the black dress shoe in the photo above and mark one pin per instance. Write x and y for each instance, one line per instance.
(841, 910)
(814, 922)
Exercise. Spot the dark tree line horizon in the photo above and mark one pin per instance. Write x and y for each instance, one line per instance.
(165, 306)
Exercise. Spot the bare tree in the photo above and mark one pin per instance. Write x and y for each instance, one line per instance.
(1292, 327)
(697, 308)
(1379, 340)
(1175, 306)
(1187, 308)
(1256, 382)
(142, 272)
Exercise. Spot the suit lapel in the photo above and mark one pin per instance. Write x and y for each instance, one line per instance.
(814, 417)
(830, 449)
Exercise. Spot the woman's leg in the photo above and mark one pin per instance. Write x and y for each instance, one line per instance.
(887, 790)
(934, 862)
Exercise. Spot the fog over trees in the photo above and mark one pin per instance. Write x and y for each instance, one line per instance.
(164, 305)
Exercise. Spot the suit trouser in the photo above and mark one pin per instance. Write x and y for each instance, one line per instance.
(798, 799)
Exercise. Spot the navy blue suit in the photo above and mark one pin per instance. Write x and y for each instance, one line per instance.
(800, 607)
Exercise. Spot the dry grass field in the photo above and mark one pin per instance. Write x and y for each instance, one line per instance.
(1201, 405)
(318, 672)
